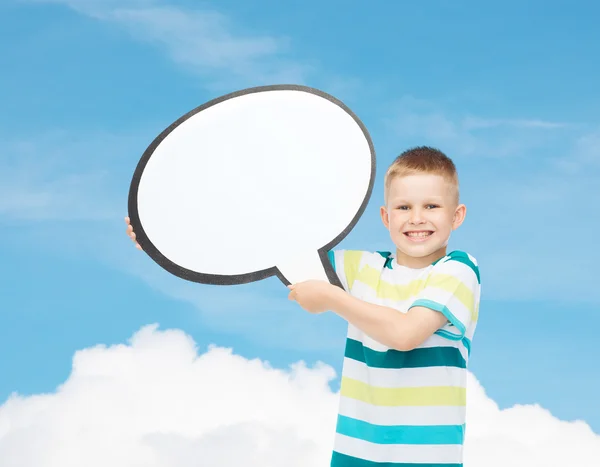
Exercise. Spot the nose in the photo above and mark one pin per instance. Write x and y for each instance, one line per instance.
(416, 217)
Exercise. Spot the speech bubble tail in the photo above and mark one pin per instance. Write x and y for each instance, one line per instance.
(308, 266)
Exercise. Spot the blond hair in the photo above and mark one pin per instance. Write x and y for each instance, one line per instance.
(422, 160)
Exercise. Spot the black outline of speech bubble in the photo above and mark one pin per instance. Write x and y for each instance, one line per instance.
(218, 279)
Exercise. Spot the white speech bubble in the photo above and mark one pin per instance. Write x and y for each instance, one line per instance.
(256, 183)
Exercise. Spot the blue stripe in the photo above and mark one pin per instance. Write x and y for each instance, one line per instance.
(448, 314)
(342, 460)
(388, 258)
(467, 343)
(331, 255)
(400, 434)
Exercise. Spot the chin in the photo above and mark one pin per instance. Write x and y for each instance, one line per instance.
(419, 252)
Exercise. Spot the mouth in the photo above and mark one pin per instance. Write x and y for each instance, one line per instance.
(418, 235)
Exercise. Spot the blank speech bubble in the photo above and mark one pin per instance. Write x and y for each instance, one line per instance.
(260, 182)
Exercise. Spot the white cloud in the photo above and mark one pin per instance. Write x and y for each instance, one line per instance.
(203, 41)
(24, 196)
(156, 403)
(461, 133)
(61, 177)
(473, 123)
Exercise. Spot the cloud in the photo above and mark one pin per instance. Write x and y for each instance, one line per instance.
(58, 176)
(474, 123)
(27, 196)
(156, 403)
(159, 402)
(205, 42)
(418, 121)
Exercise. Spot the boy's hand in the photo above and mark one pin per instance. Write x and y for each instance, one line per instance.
(314, 296)
(131, 233)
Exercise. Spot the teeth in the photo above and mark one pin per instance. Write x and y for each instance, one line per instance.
(419, 234)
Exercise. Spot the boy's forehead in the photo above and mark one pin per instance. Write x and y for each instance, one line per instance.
(421, 188)
(435, 184)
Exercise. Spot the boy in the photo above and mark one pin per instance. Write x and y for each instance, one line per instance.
(411, 318)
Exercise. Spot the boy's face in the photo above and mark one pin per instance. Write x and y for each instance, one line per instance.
(421, 213)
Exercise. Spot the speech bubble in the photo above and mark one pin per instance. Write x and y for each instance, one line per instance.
(260, 182)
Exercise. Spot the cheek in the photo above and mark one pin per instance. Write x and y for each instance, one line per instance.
(397, 223)
(395, 218)
(445, 222)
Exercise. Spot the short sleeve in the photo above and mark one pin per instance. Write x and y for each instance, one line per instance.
(453, 288)
(346, 264)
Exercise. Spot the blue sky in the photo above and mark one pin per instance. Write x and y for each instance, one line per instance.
(509, 90)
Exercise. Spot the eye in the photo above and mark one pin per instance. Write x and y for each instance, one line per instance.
(432, 206)
(402, 208)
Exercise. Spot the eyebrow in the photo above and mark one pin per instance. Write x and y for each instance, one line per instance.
(437, 199)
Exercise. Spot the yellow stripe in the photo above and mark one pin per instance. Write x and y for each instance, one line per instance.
(351, 264)
(371, 277)
(399, 292)
(455, 286)
(396, 397)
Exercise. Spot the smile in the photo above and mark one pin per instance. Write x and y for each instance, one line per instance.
(419, 236)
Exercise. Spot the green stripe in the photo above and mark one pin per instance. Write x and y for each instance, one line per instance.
(342, 460)
(462, 257)
(417, 358)
(331, 255)
(467, 344)
(388, 258)
(448, 314)
(400, 434)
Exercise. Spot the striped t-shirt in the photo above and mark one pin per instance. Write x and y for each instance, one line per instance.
(406, 408)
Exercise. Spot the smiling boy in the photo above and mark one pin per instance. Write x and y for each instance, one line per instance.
(411, 319)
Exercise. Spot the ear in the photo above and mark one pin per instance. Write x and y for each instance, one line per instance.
(459, 216)
(385, 218)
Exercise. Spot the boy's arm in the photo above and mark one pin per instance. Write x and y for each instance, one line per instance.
(450, 296)
(400, 331)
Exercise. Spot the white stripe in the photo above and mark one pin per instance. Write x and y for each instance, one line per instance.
(338, 256)
(432, 341)
(376, 415)
(400, 453)
(374, 260)
(439, 341)
(447, 299)
(405, 377)
(471, 331)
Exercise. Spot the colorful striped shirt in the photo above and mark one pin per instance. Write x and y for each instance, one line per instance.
(406, 408)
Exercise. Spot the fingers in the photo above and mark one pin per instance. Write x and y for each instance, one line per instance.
(131, 233)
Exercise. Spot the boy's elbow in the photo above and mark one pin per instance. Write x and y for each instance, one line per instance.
(406, 344)
(410, 340)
